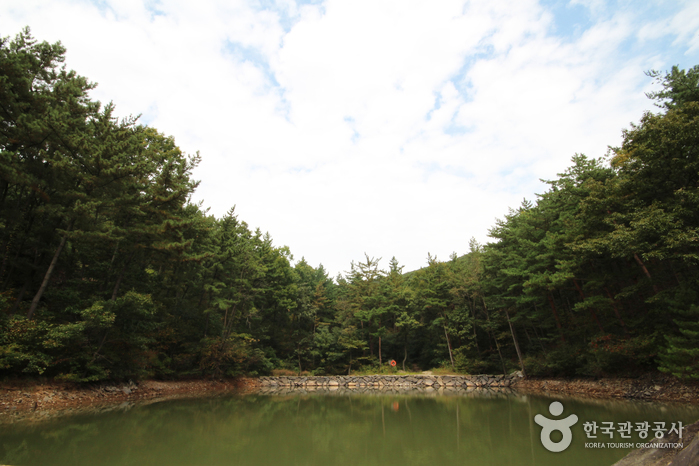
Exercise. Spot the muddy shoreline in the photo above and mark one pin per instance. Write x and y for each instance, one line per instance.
(20, 400)
(27, 401)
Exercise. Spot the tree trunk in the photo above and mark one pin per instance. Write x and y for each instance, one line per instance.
(117, 285)
(20, 296)
(642, 265)
(497, 345)
(225, 321)
(405, 355)
(514, 338)
(99, 348)
(449, 346)
(298, 351)
(536, 335)
(49, 272)
(109, 269)
(592, 311)
(645, 271)
(529, 338)
(6, 252)
(616, 311)
(380, 362)
(5, 188)
(121, 276)
(555, 315)
(674, 273)
(475, 334)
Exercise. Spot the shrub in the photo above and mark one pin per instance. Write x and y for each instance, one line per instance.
(614, 355)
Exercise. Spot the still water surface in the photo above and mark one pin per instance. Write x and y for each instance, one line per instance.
(338, 429)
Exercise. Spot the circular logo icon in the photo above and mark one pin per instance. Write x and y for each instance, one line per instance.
(561, 425)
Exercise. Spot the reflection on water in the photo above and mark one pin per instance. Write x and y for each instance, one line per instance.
(449, 428)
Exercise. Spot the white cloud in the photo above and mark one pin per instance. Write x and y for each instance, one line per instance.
(392, 128)
(686, 26)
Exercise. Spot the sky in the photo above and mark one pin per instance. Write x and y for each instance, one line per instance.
(382, 127)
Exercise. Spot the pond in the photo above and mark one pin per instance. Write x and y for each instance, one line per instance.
(475, 428)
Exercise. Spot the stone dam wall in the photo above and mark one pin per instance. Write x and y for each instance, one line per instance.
(388, 382)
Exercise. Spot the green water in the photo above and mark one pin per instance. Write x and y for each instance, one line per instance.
(316, 429)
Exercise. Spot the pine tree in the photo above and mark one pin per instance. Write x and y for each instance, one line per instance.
(681, 356)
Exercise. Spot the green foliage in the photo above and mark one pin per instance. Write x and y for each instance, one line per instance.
(681, 356)
(559, 362)
(21, 345)
(609, 355)
(467, 364)
(108, 271)
(233, 356)
(679, 87)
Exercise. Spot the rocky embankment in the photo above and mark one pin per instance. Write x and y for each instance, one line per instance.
(649, 388)
(24, 399)
(389, 382)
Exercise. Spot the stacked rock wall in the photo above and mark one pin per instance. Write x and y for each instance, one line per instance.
(390, 381)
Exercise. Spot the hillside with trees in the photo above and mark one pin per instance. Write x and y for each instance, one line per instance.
(109, 271)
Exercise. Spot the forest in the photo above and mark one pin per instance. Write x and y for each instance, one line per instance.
(109, 271)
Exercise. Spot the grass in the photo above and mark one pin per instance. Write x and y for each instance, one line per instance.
(384, 370)
(445, 371)
(289, 373)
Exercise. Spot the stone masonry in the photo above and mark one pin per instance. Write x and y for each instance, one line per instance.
(390, 381)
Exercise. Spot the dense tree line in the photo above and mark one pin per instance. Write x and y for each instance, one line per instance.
(108, 270)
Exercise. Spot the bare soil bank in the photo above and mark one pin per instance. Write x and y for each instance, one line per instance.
(647, 387)
(25, 400)
(31, 400)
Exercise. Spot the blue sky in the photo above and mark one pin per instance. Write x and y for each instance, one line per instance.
(392, 127)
